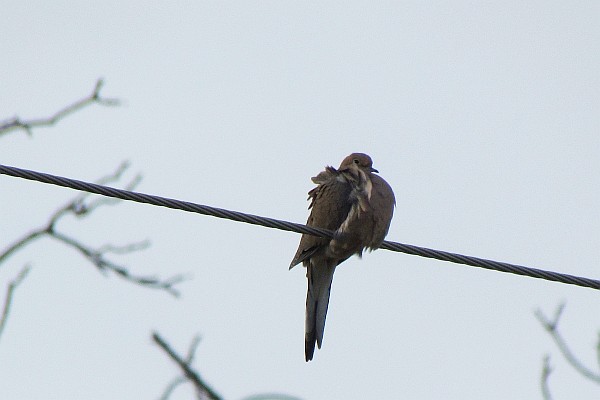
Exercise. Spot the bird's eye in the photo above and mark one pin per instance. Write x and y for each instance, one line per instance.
(355, 161)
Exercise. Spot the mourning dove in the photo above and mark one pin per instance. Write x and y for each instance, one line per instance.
(357, 205)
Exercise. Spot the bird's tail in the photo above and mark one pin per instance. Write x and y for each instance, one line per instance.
(320, 277)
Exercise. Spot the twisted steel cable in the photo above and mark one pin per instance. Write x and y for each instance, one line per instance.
(293, 227)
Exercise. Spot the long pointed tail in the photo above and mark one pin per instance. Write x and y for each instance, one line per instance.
(319, 277)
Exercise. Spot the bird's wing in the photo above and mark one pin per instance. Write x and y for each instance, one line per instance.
(330, 206)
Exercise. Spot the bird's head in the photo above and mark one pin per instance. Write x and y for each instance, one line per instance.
(358, 161)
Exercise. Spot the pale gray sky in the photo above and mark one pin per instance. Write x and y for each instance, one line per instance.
(482, 116)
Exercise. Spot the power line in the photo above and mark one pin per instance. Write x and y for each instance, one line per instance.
(293, 227)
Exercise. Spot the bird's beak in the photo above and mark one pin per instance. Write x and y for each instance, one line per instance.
(374, 170)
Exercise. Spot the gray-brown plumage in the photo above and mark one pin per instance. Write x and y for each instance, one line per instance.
(357, 205)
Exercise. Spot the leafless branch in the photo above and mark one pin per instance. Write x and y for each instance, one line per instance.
(27, 239)
(202, 389)
(81, 207)
(551, 327)
(10, 291)
(182, 379)
(128, 248)
(16, 122)
(171, 387)
(546, 371)
(598, 351)
(78, 206)
(97, 257)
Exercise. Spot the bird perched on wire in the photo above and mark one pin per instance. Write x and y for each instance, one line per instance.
(358, 206)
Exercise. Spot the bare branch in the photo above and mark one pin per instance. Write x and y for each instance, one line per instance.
(10, 291)
(102, 200)
(171, 387)
(116, 175)
(598, 351)
(202, 389)
(128, 248)
(79, 208)
(97, 258)
(189, 374)
(192, 350)
(182, 379)
(546, 371)
(552, 328)
(25, 240)
(16, 123)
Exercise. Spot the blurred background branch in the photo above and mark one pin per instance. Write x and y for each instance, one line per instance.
(551, 326)
(189, 374)
(203, 391)
(10, 292)
(16, 123)
(546, 371)
(82, 206)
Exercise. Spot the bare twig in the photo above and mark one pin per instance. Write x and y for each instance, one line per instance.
(171, 387)
(598, 351)
(78, 205)
(97, 258)
(16, 123)
(81, 207)
(10, 291)
(202, 389)
(182, 379)
(546, 371)
(128, 248)
(25, 240)
(192, 350)
(551, 327)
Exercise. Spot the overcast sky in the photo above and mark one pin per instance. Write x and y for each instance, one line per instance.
(483, 117)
